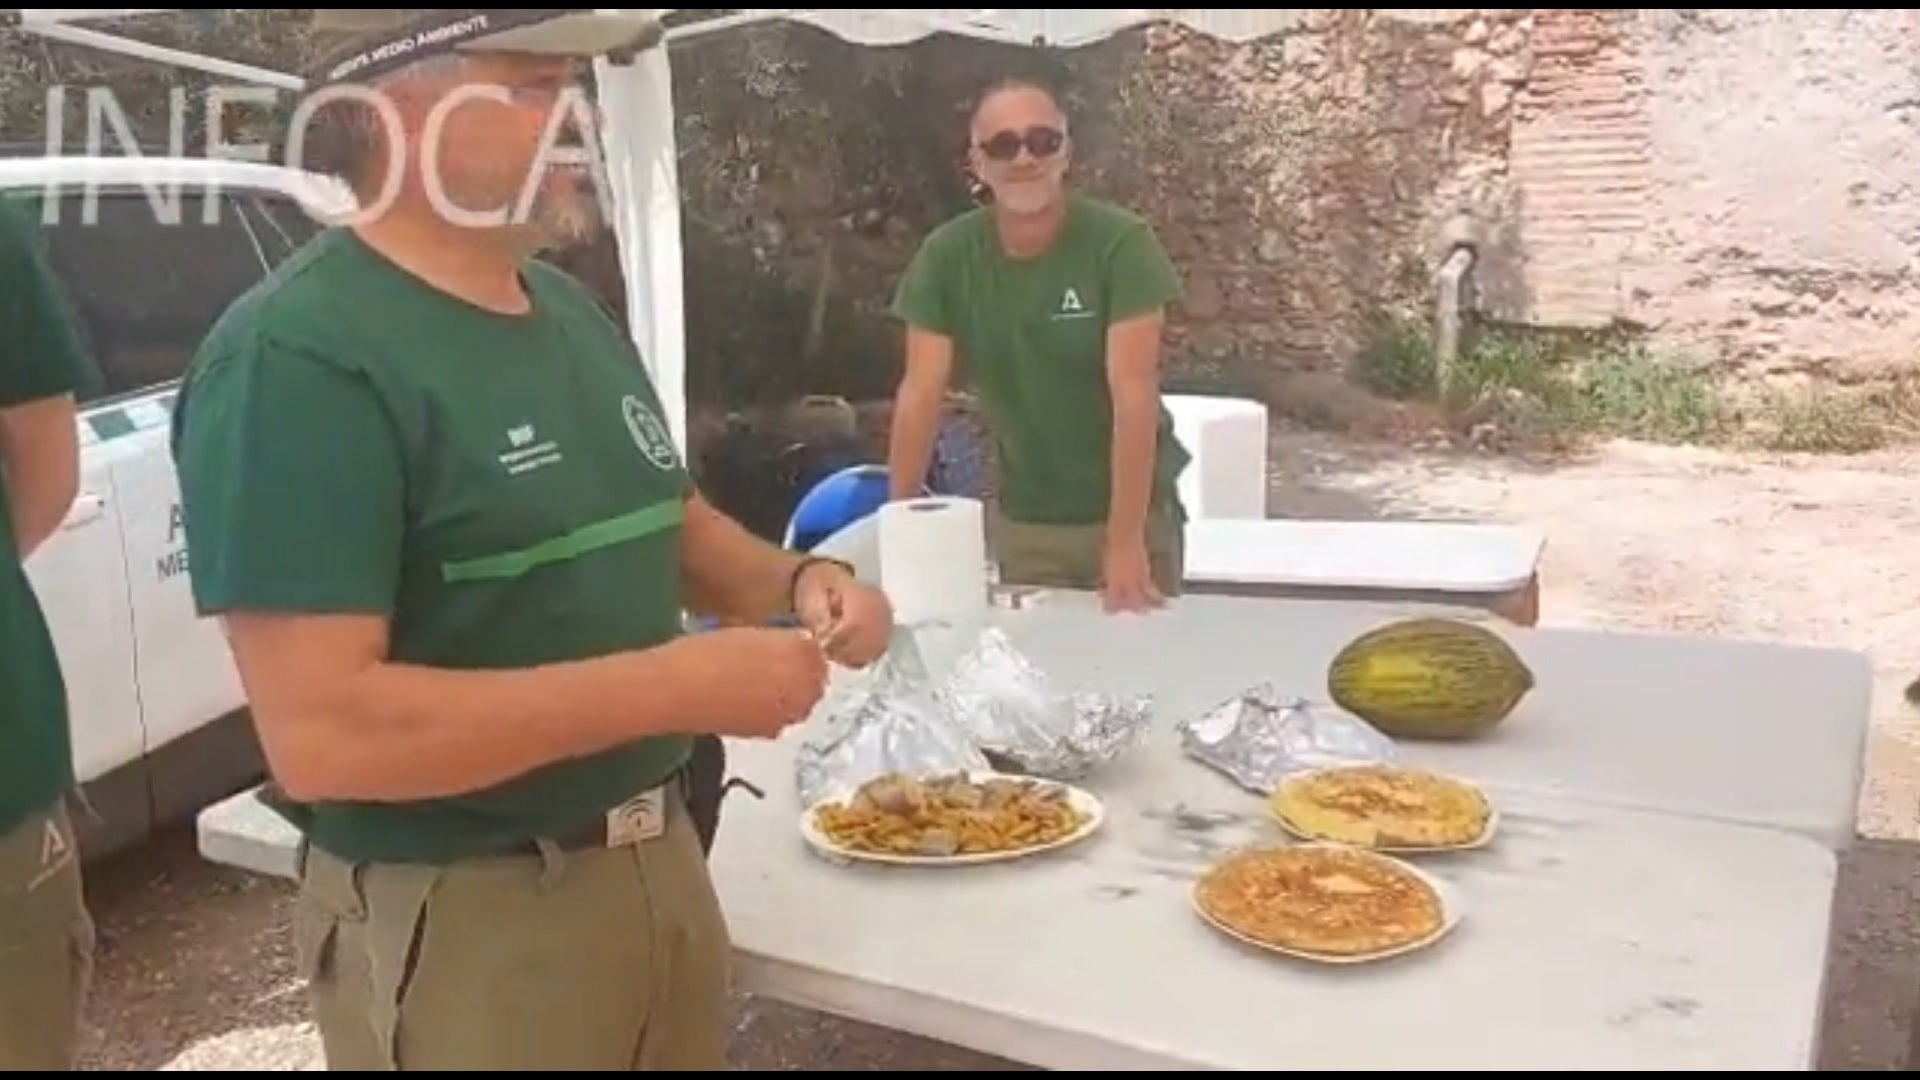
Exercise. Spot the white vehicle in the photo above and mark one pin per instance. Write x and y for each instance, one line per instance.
(148, 252)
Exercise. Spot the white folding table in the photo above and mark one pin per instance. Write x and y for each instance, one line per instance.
(1489, 566)
(1593, 938)
(1658, 898)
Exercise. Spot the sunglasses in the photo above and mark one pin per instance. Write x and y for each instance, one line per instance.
(1041, 142)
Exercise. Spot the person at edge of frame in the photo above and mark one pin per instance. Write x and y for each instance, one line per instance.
(46, 931)
(1054, 303)
(428, 487)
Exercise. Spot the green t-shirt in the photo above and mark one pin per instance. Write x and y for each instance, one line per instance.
(502, 489)
(1031, 335)
(40, 357)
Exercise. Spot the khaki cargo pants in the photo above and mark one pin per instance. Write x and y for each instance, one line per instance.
(46, 945)
(607, 959)
(1071, 556)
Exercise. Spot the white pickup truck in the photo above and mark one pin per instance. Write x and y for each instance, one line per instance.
(148, 251)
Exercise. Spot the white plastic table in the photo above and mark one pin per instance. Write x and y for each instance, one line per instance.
(1659, 897)
(1758, 734)
(1492, 566)
(1592, 939)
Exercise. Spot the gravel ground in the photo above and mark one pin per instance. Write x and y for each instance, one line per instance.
(195, 968)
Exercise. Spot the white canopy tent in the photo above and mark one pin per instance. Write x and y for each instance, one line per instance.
(637, 99)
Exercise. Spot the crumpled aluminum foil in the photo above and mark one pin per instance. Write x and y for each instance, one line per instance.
(1261, 736)
(1024, 724)
(891, 723)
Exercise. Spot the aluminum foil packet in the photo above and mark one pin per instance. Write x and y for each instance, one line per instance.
(1023, 723)
(891, 722)
(1262, 736)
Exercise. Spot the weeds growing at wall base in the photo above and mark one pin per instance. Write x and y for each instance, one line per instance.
(1545, 388)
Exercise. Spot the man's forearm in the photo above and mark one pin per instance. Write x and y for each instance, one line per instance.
(1133, 380)
(40, 460)
(398, 733)
(916, 411)
(35, 516)
(731, 573)
(916, 422)
(1135, 428)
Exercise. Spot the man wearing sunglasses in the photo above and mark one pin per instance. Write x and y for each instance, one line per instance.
(1053, 302)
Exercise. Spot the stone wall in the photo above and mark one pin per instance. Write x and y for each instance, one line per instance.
(1302, 182)
(1738, 184)
(1786, 173)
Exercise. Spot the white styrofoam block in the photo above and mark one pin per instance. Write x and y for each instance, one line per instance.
(1227, 437)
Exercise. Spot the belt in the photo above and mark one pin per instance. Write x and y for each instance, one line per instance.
(591, 836)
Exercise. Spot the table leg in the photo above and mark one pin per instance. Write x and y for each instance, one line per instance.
(1521, 606)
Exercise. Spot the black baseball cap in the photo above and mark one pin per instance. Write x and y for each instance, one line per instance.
(368, 43)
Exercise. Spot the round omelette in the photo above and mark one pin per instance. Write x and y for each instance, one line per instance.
(1321, 899)
(1383, 806)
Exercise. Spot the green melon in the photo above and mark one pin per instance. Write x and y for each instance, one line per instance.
(1430, 678)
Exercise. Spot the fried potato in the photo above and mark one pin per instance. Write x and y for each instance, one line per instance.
(949, 815)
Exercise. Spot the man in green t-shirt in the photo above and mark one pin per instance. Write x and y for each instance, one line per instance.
(46, 936)
(1053, 304)
(429, 488)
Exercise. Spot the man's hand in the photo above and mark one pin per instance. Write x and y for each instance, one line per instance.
(1126, 580)
(851, 621)
(762, 679)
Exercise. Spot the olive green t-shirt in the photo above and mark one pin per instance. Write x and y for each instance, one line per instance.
(501, 489)
(1031, 335)
(40, 358)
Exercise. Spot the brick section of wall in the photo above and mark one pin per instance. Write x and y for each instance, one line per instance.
(1580, 160)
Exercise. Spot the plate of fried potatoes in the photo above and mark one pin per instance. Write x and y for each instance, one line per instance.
(955, 819)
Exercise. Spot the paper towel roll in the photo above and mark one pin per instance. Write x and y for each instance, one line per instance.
(933, 559)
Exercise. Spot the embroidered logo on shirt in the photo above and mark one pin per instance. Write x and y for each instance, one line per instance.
(649, 434)
(526, 451)
(1071, 306)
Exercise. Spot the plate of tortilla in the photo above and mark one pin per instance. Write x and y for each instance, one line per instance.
(957, 819)
(1329, 903)
(1389, 808)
